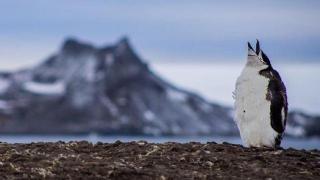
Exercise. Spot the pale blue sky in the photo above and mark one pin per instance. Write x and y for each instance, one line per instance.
(162, 30)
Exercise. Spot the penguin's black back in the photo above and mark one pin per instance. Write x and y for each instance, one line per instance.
(278, 97)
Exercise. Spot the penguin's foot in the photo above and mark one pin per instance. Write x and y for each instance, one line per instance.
(278, 147)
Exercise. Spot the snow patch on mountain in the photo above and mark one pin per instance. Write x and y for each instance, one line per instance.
(295, 131)
(109, 59)
(57, 88)
(149, 115)
(89, 70)
(176, 95)
(4, 85)
(4, 105)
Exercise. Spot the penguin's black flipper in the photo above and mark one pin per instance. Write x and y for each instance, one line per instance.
(279, 104)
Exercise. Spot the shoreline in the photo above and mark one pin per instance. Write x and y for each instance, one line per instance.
(287, 142)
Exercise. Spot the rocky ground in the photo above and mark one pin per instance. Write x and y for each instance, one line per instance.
(142, 160)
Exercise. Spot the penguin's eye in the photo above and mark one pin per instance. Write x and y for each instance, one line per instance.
(260, 59)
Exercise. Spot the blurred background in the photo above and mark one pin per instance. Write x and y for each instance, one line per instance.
(130, 70)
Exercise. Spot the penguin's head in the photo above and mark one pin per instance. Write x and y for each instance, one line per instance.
(257, 58)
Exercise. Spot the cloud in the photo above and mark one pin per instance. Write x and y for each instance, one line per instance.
(189, 28)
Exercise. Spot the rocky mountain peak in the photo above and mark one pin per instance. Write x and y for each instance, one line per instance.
(124, 49)
(123, 44)
(72, 45)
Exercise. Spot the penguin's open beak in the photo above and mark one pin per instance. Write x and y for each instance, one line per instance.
(258, 47)
(251, 52)
(250, 47)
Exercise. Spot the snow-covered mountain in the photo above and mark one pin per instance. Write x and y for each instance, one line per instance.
(84, 89)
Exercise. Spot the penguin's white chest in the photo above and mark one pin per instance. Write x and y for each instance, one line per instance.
(252, 110)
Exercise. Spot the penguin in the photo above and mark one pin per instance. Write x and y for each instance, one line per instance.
(261, 105)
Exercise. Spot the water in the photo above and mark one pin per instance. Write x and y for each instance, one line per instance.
(310, 143)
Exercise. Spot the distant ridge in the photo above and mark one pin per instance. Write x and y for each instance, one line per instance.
(110, 90)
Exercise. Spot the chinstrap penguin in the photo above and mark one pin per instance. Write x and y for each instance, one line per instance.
(260, 102)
